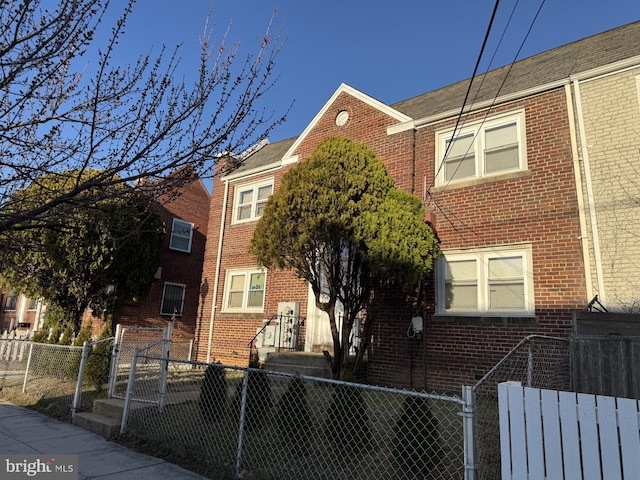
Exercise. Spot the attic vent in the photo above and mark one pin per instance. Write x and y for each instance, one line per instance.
(342, 118)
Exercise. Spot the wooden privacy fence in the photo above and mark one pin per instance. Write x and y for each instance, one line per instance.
(548, 434)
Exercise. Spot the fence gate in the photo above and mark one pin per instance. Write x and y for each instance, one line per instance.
(154, 341)
(568, 435)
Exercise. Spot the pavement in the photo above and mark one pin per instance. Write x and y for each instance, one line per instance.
(23, 431)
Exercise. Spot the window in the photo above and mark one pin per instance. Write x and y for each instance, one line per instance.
(12, 302)
(250, 201)
(494, 281)
(494, 146)
(33, 303)
(181, 234)
(172, 299)
(244, 290)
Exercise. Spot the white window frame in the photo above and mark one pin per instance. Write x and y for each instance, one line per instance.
(176, 232)
(164, 291)
(246, 272)
(17, 302)
(254, 187)
(30, 307)
(478, 129)
(482, 257)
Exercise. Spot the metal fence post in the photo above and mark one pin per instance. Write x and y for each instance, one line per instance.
(243, 404)
(468, 422)
(78, 394)
(26, 371)
(127, 397)
(164, 364)
(115, 356)
(530, 365)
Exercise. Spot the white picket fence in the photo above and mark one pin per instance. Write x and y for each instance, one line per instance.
(548, 434)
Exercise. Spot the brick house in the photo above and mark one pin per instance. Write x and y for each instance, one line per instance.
(176, 289)
(19, 314)
(505, 185)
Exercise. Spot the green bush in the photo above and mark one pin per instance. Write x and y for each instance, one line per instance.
(97, 369)
(84, 335)
(213, 393)
(294, 419)
(259, 400)
(67, 335)
(347, 425)
(416, 438)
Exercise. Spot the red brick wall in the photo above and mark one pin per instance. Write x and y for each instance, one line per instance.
(191, 205)
(538, 206)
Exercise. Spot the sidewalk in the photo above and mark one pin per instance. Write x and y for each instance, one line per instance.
(28, 432)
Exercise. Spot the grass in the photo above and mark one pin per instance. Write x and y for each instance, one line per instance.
(179, 434)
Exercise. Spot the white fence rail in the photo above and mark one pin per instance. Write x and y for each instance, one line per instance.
(566, 435)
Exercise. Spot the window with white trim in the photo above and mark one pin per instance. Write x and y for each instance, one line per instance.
(482, 149)
(12, 302)
(33, 304)
(249, 200)
(244, 290)
(496, 281)
(173, 299)
(181, 235)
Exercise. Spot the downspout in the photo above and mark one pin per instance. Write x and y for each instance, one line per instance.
(584, 237)
(413, 162)
(592, 206)
(218, 263)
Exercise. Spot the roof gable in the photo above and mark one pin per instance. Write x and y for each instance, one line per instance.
(400, 117)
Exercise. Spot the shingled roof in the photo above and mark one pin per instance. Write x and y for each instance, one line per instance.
(542, 69)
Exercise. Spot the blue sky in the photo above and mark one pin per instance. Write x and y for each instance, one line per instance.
(389, 50)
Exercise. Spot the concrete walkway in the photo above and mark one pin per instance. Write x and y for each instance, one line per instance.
(28, 432)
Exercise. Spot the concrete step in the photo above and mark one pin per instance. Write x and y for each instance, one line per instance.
(103, 425)
(109, 407)
(301, 363)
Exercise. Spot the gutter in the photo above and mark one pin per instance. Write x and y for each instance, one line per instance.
(216, 281)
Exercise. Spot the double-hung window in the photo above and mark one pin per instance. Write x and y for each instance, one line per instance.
(181, 235)
(250, 200)
(490, 147)
(33, 304)
(12, 302)
(496, 281)
(244, 290)
(173, 299)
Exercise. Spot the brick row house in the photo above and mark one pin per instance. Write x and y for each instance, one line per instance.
(175, 292)
(19, 314)
(532, 188)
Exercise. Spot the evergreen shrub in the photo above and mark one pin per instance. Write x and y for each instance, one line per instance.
(347, 426)
(294, 419)
(416, 438)
(213, 393)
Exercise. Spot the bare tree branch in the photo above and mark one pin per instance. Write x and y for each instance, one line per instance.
(63, 111)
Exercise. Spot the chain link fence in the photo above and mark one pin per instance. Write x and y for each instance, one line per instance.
(226, 422)
(537, 361)
(46, 375)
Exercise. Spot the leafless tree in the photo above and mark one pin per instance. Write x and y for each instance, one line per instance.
(66, 107)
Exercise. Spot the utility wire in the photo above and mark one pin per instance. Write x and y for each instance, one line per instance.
(475, 71)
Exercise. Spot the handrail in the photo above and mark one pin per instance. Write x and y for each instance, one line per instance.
(266, 324)
(592, 305)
